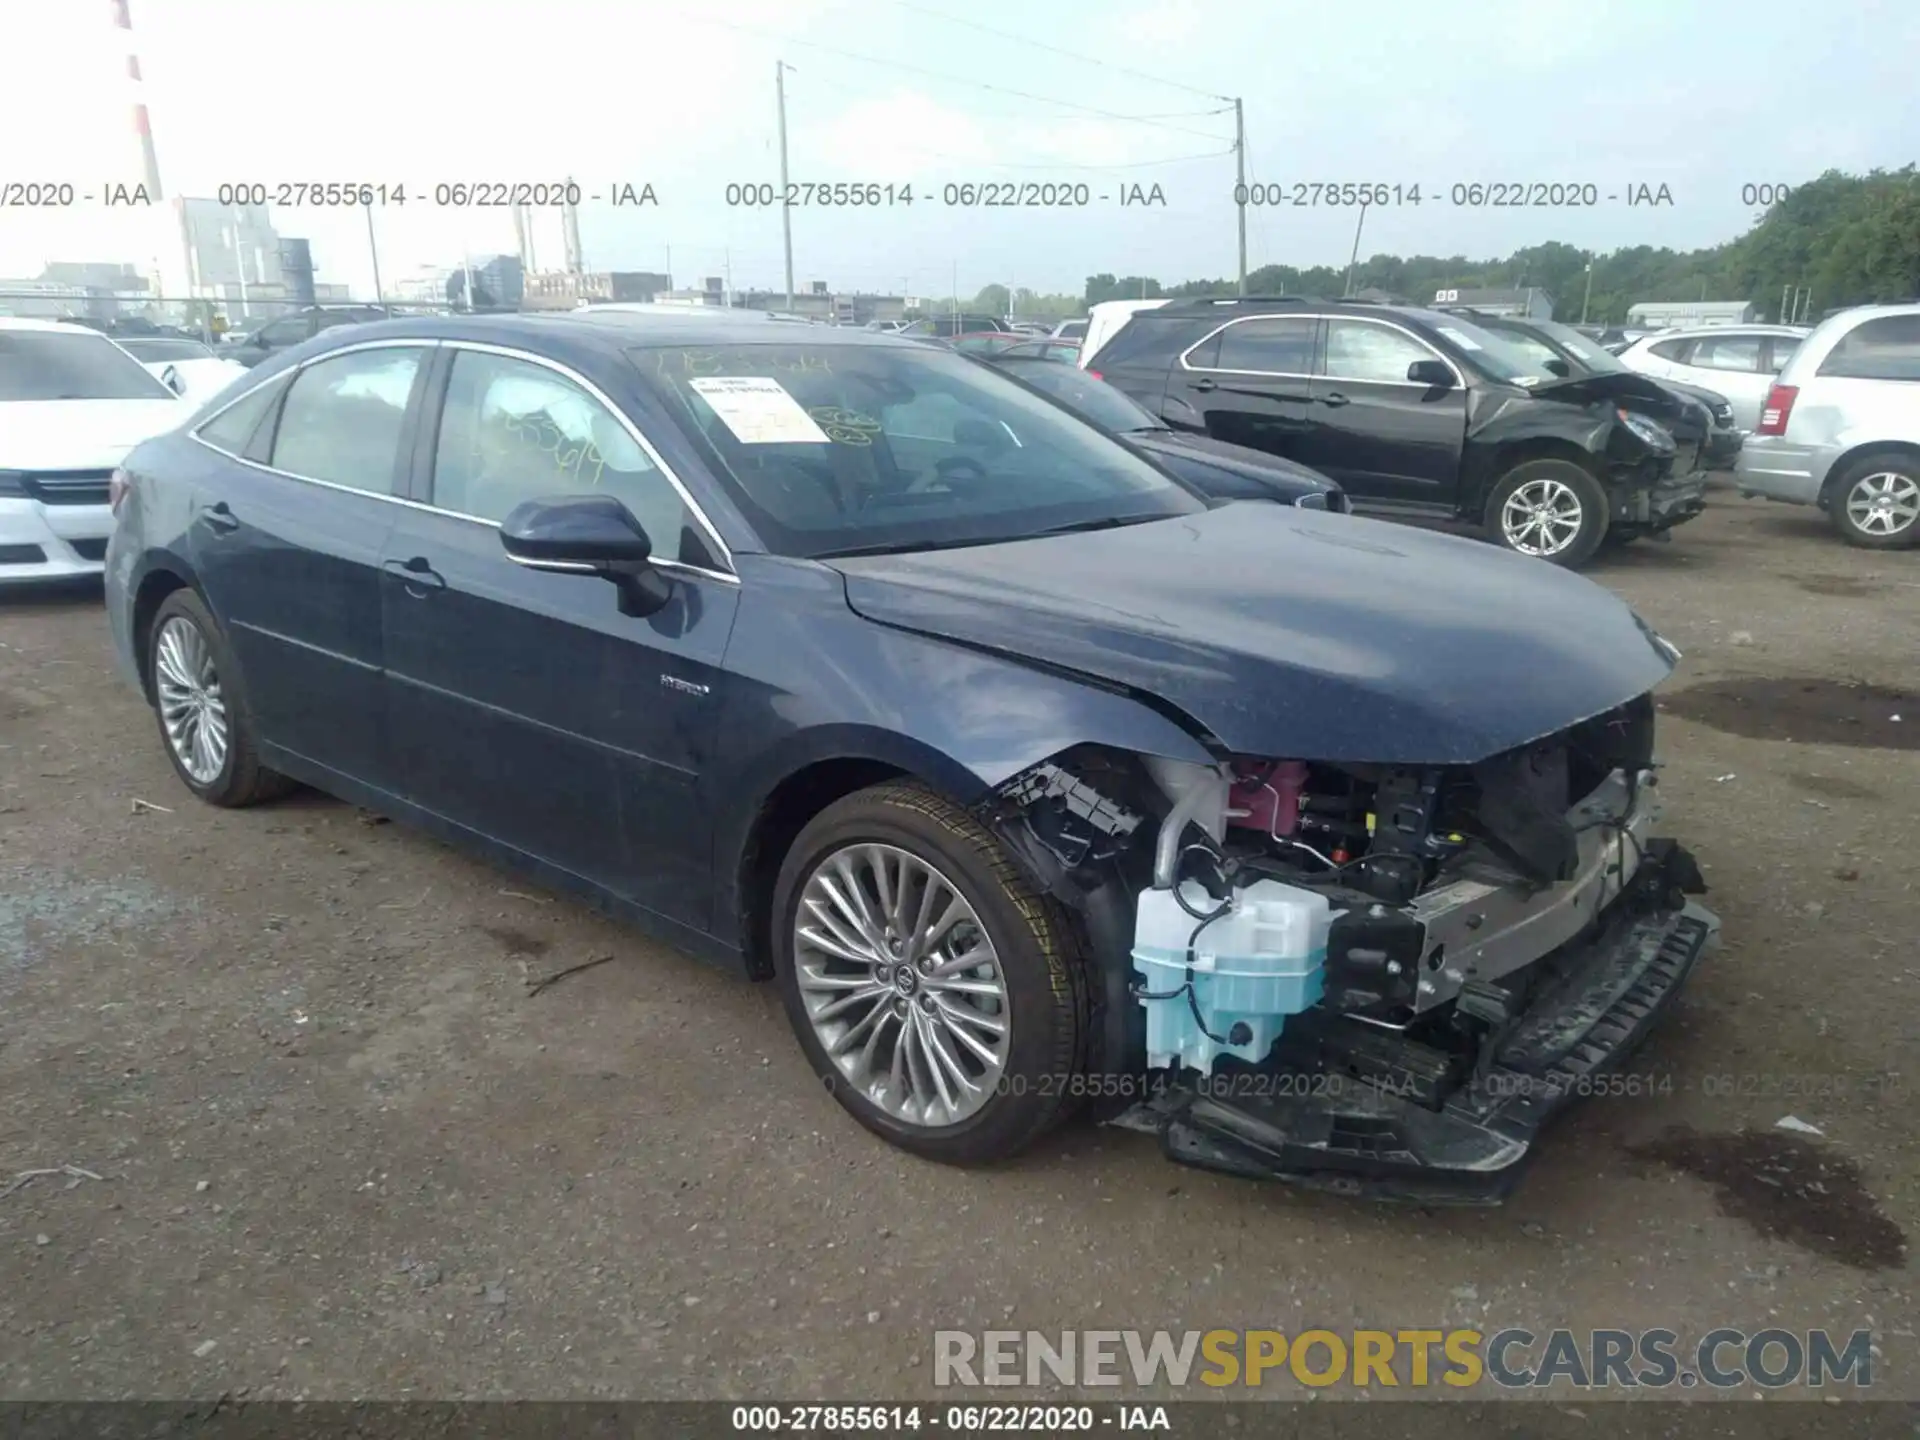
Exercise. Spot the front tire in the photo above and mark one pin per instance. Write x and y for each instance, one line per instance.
(934, 992)
(206, 726)
(1876, 503)
(1548, 509)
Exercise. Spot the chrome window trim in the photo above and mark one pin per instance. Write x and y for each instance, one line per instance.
(1459, 380)
(436, 343)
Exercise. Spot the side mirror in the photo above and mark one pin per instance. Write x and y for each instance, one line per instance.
(588, 535)
(170, 377)
(1557, 366)
(1434, 374)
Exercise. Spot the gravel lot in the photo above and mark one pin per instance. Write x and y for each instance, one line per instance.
(342, 1150)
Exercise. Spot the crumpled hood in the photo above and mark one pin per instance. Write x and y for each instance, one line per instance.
(1231, 470)
(1290, 633)
(81, 434)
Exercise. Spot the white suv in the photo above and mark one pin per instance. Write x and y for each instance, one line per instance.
(1737, 361)
(72, 404)
(1841, 427)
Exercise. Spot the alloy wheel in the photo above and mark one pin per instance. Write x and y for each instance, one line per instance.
(1541, 517)
(1886, 503)
(901, 984)
(193, 709)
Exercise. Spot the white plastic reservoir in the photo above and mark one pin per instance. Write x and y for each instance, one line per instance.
(1254, 966)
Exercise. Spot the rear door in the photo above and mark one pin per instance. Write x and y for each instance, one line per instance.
(289, 543)
(1250, 383)
(1382, 436)
(524, 706)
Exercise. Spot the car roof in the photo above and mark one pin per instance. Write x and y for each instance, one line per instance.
(62, 327)
(607, 331)
(1756, 328)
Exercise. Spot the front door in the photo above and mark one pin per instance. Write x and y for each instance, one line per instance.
(1382, 436)
(523, 705)
(289, 549)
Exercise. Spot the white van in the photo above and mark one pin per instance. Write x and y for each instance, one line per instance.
(1104, 321)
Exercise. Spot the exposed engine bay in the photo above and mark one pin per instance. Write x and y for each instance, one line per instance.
(1407, 932)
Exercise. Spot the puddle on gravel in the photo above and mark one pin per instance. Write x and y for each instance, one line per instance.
(1788, 1188)
(1846, 587)
(1812, 712)
(1833, 787)
(41, 909)
(516, 942)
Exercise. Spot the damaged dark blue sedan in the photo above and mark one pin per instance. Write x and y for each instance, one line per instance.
(1038, 783)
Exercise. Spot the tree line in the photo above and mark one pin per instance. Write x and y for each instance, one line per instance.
(1848, 239)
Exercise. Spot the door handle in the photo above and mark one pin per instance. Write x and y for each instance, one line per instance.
(418, 575)
(219, 518)
(1201, 384)
(1336, 399)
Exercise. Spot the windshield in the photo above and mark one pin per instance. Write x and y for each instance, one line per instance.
(831, 448)
(1494, 354)
(154, 351)
(78, 365)
(1583, 348)
(1094, 401)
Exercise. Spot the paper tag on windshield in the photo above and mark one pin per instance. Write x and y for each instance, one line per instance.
(758, 410)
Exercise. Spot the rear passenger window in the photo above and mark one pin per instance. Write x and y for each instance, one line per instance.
(1278, 347)
(233, 427)
(1674, 350)
(1728, 352)
(343, 418)
(1883, 349)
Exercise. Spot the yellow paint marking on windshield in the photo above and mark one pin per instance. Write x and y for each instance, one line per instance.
(848, 427)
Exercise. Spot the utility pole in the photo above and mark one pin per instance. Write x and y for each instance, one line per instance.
(1586, 303)
(1240, 182)
(373, 249)
(780, 68)
(1354, 259)
(1783, 303)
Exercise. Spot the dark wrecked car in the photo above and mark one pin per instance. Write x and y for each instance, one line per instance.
(1320, 848)
(1216, 469)
(1420, 416)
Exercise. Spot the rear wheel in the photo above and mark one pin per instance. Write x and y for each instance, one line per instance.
(1876, 502)
(1549, 509)
(936, 995)
(202, 707)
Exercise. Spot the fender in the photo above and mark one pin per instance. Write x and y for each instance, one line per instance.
(809, 680)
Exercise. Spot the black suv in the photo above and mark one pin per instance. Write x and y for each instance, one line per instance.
(1420, 415)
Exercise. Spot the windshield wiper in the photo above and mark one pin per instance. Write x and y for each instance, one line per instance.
(909, 547)
(1106, 522)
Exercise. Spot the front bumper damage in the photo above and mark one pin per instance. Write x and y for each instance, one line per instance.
(1363, 1111)
(1669, 499)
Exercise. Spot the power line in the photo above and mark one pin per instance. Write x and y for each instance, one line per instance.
(904, 68)
(1054, 49)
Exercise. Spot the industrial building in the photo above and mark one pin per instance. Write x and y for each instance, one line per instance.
(1664, 314)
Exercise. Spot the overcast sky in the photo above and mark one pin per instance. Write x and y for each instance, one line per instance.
(1701, 95)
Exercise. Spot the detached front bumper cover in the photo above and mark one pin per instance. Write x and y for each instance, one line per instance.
(1330, 1132)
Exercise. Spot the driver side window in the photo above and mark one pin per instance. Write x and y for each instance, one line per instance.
(512, 431)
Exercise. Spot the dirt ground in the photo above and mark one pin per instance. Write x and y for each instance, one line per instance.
(333, 1146)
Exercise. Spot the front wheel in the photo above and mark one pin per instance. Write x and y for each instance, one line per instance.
(1549, 509)
(937, 996)
(1876, 503)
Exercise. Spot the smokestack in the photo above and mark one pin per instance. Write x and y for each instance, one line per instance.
(522, 241)
(570, 223)
(142, 126)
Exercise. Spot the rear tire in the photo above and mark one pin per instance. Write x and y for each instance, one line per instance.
(855, 987)
(206, 726)
(1875, 503)
(1551, 510)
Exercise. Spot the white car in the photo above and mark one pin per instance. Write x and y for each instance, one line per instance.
(1841, 428)
(1105, 320)
(72, 404)
(1737, 361)
(186, 367)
